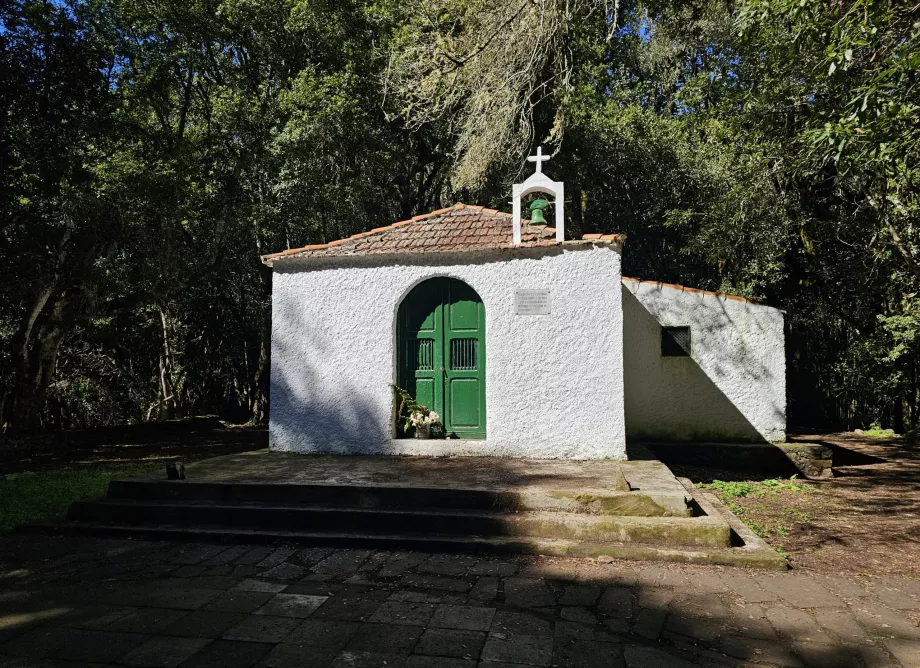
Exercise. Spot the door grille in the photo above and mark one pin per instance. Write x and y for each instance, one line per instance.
(463, 354)
(421, 355)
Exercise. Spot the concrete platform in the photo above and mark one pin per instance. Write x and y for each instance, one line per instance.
(644, 488)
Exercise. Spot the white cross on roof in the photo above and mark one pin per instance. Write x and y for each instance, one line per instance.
(539, 158)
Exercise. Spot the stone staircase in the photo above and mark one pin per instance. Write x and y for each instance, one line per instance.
(545, 509)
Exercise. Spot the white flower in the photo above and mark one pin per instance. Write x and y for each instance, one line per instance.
(433, 417)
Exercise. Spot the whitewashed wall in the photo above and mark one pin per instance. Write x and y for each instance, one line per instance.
(554, 383)
(732, 388)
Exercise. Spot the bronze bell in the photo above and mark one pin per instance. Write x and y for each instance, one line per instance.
(536, 211)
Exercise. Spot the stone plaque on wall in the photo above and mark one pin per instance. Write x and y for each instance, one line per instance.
(531, 302)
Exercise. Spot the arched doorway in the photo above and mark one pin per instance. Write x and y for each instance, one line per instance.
(440, 337)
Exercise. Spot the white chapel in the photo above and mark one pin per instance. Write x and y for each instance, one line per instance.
(525, 343)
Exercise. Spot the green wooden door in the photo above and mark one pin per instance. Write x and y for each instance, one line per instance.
(441, 353)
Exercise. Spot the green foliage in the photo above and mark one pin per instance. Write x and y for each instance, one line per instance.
(729, 490)
(406, 405)
(29, 497)
(778, 485)
(151, 152)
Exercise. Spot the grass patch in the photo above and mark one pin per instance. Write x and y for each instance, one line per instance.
(737, 490)
(878, 433)
(27, 497)
(783, 521)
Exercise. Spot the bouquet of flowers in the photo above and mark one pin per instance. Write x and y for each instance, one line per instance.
(411, 414)
(424, 419)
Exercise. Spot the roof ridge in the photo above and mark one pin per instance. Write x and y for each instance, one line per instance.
(684, 288)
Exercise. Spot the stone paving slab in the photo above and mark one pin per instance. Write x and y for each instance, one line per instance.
(82, 602)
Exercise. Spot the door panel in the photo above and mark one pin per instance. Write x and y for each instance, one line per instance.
(420, 336)
(464, 403)
(441, 335)
(464, 332)
(463, 308)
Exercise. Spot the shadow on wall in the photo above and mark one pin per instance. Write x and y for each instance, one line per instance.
(316, 410)
(673, 398)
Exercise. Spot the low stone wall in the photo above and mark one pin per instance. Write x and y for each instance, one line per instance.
(812, 459)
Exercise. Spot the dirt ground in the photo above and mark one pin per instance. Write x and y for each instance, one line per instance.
(186, 440)
(863, 521)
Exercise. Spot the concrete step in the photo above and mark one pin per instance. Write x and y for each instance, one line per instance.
(729, 556)
(708, 531)
(590, 501)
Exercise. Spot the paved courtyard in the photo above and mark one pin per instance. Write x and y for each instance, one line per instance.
(88, 602)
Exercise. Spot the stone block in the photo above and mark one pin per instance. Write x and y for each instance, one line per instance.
(262, 629)
(506, 623)
(397, 612)
(203, 624)
(813, 460)
(616, 602)
(649, 623)
(350, 659)
(905, 651)
(291, 605)
(517, 648)
(637, 656)
(228, 654)
(528, 593)
(761, 651)
(146, 620)
(385, 638)
(587, 654)
(802, 591)
(283, 571)
(485, 589)
(344, 608)
(496, 567)
(579, 595)
(421, 661)
(163, 652)
(451, 643)
(797, 625)
(297, 655)
(578, 614)
(260, 586)
(435, 582)
(341, 562)
(447, 564)
(239, 601)
(330, 635)
(465, 617)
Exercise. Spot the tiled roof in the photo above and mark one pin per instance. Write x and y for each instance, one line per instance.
(461, 227)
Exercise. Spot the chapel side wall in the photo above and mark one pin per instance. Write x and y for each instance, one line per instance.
(732, 388)
(554, 383)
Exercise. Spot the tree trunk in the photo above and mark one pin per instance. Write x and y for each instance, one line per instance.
(37, 344)
(261, 379)
(897, 416)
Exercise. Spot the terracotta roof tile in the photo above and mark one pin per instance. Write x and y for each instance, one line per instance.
(684, 288)
(462, 227)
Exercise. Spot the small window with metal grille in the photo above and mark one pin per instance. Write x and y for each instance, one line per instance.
(463, 354)
(675, 342)
(421, 355)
